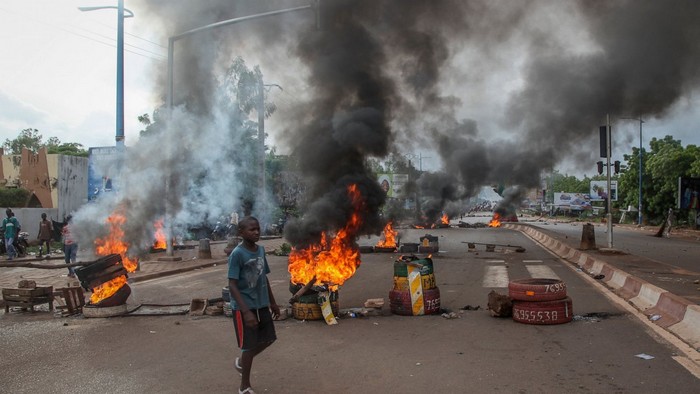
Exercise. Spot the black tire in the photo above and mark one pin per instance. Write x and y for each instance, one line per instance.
(309, 299)
(401, 269)
(543, 312)
(537, 289)
(400, 302)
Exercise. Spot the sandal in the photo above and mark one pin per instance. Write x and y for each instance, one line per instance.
(240, 372)
(249, 390)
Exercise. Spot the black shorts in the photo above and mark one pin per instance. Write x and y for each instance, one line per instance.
(250, 338)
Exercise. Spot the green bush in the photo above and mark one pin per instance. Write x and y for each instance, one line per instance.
(13, 197)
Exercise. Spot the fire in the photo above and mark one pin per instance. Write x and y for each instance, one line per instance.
(107, 289)
(113, 243)
(418, 226)
(159, 235)
(389, 237)
(445, 219)
(495, 221)
(331, 261)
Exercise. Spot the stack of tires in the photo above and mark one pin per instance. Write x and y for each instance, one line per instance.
(400, 301)
(308, 306)
(540, 301)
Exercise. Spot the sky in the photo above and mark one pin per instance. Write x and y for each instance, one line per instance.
(59, 70)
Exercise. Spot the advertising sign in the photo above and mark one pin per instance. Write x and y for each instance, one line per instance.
(689, 193)
(100, 179)
(393, 184)
(599, 190)
(573, 201)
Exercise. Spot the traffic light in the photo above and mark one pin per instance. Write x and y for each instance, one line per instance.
(600, 167)
(617, 166)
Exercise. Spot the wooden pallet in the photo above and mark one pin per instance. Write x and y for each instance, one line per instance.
(28, 298)
(74, 298)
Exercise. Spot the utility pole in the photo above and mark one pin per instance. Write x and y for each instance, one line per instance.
(608, 136)
(261, 147)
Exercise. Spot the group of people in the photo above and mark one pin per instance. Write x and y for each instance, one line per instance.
(11, 228)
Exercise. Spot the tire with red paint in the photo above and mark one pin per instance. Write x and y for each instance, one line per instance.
(543, 312)
(537, 289)
(400, 302)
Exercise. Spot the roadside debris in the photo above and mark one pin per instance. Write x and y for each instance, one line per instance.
(654, 317)
(644, 356)
(470, 308)
(500, 305)
(450, 315)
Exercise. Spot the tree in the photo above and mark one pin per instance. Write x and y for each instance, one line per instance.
(664, 164)
(33, 141)
(27, 138)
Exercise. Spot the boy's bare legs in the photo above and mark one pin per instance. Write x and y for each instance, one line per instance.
(247, 363)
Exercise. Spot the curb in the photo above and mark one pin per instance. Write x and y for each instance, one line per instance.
(154, 275)
(678, 315)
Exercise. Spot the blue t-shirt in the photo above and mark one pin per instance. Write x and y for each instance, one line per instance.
(250, 269)
(10, 226)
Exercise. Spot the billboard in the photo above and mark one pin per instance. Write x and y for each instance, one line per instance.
(100, 159)
(392, 184)
(599, 190)
(573, 201)
(689, 193)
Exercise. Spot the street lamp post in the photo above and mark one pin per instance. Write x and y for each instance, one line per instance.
(120, 64)
(641, 168)
(170, 76)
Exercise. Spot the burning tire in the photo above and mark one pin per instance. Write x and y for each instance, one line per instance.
(400, 302)
(293, 288)
(543, 312)
(311, 311)
(401, 268)
(427, 281)
(537, 289)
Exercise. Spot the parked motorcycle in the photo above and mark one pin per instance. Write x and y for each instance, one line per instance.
(21, 243)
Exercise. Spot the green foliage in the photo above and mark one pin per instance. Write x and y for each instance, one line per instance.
(13, 197)
(33, 141)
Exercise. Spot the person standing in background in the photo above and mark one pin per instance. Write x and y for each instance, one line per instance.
(10, 226)
(70, 248)
(45, 232)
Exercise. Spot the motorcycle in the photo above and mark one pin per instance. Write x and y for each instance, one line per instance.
(222, 230)
(21, 243)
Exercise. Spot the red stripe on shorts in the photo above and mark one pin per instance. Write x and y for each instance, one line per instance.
(239, 328)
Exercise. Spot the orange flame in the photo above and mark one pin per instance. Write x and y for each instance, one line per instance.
(418, 226)
(389, 237)
(331, 261)
(107, 289)
(113, 244)
(445, 219)
(495, 221)
(159, 235)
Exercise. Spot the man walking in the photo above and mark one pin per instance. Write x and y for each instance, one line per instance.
(10, 226)
(45, 234)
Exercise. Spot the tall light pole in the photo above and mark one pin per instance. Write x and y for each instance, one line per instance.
(641, 167)
(120, 64)
(170, 85)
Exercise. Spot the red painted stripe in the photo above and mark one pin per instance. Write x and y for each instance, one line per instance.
(239, 327)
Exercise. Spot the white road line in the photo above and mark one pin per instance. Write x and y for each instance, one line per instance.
(541, 271)
(495, 276)
(495, 261)
(532, 261)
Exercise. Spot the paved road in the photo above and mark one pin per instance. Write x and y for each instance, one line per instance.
(392, 354)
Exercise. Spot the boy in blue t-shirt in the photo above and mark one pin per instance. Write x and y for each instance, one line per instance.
(253, 304)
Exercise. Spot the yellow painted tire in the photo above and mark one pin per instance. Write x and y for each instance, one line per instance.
(427, 281)
(302, 311)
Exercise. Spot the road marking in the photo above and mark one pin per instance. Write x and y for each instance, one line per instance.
(541, 271)
(495, 261)
(495, 276)
(532, 261)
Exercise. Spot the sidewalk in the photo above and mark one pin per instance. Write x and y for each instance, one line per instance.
(150, 267)
(657, 289)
